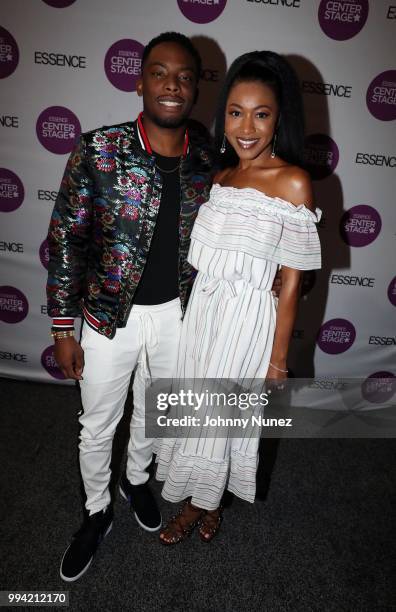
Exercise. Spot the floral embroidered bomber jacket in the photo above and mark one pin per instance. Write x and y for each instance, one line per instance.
(104, 218)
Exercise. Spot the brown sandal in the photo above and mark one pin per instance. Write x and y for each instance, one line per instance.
(209, 524)
(180, 526)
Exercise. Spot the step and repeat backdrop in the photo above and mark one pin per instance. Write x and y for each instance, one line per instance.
(68, 66)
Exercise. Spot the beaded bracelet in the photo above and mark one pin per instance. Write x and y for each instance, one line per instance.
(279, 369)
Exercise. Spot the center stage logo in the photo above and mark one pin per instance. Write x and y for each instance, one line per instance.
(123, 63)
(336, 336)
(9, 53)
(44, 254)
(59, 3)
(57, 129)
(342, 19)
(392, 291)
(202, 11)
(379, 387)
(48, 362)
(321, 155)
(12, 192)
(381, 96)
(360, 225)
(14, 306)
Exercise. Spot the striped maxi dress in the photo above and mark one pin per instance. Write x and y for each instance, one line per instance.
(239, 239)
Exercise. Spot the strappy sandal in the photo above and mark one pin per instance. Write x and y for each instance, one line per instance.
(209, 524)
(177, 532)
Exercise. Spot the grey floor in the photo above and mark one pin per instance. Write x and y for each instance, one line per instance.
(321, 539)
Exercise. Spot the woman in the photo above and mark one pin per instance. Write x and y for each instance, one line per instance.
(260, 216)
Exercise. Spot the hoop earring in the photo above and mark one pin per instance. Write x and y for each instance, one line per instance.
(223, 145)
(273, 147)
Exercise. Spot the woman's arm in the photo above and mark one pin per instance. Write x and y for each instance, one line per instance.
(296, 187)
(285, 317)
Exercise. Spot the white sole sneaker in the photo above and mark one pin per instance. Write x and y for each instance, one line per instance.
(72, 579)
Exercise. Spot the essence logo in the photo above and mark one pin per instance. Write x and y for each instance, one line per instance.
(379, 387)
(392, 291)
(321, 155)
(49, 364)
(123, 63)
(342, 19)
(9, 121)
(336, 336)
(9, 53)
(202, 11)
(14, 306)
(57, 129)
(12, 192)
(288, 3)
(46, 195)
(326, 89)
(383, 340)
(381, 96)
(44, 254)
(59, 3)
(373, 159)
(360, 225)
(60, 59)
(352, 281)
(11, 247)
(8, 356)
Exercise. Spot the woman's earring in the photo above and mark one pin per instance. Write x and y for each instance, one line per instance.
(273, 147)
(223, 145)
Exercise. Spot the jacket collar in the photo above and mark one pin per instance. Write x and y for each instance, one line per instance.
(145, 143)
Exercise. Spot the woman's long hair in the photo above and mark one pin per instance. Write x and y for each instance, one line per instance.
(273, 70)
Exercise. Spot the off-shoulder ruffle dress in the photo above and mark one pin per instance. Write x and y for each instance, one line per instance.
(239, 239)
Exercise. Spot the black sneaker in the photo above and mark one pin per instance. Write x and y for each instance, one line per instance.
(143, 503)
(78, 556)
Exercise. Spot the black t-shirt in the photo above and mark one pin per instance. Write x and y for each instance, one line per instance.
(160, 279)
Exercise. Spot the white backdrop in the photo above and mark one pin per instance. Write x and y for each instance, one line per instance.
(54, 82)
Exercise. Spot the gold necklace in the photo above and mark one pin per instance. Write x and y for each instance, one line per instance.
(167, 171)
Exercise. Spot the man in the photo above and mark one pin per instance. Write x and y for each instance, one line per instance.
(118, 238)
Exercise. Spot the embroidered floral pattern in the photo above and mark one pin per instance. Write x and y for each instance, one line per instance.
(104, 219)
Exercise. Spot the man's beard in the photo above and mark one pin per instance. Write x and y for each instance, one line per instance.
(171, 123)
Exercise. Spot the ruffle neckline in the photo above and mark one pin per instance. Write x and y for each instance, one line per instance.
(284, 206)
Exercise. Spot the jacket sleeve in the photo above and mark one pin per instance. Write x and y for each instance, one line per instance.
(69, 236)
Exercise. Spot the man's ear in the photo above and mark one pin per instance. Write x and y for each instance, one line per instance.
(139, 87)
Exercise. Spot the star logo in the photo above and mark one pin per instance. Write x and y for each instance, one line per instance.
(9, 57)
(20, 309)
(71, 135)
(15, 194)
(371, 230)
(357, 18)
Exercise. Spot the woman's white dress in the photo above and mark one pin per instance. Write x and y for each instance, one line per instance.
(239, 239)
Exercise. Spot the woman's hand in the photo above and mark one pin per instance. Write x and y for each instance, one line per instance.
(275, 377)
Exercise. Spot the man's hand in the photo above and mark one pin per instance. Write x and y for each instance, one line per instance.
(69, 357)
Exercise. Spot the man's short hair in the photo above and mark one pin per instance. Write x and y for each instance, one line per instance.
(179, 39)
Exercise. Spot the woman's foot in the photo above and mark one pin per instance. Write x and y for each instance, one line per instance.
(209, 524)
(180, 526)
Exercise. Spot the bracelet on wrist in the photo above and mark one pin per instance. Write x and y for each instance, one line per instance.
(59, 335)
(278, 369)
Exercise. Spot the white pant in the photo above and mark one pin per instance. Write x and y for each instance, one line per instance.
(149, 343)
